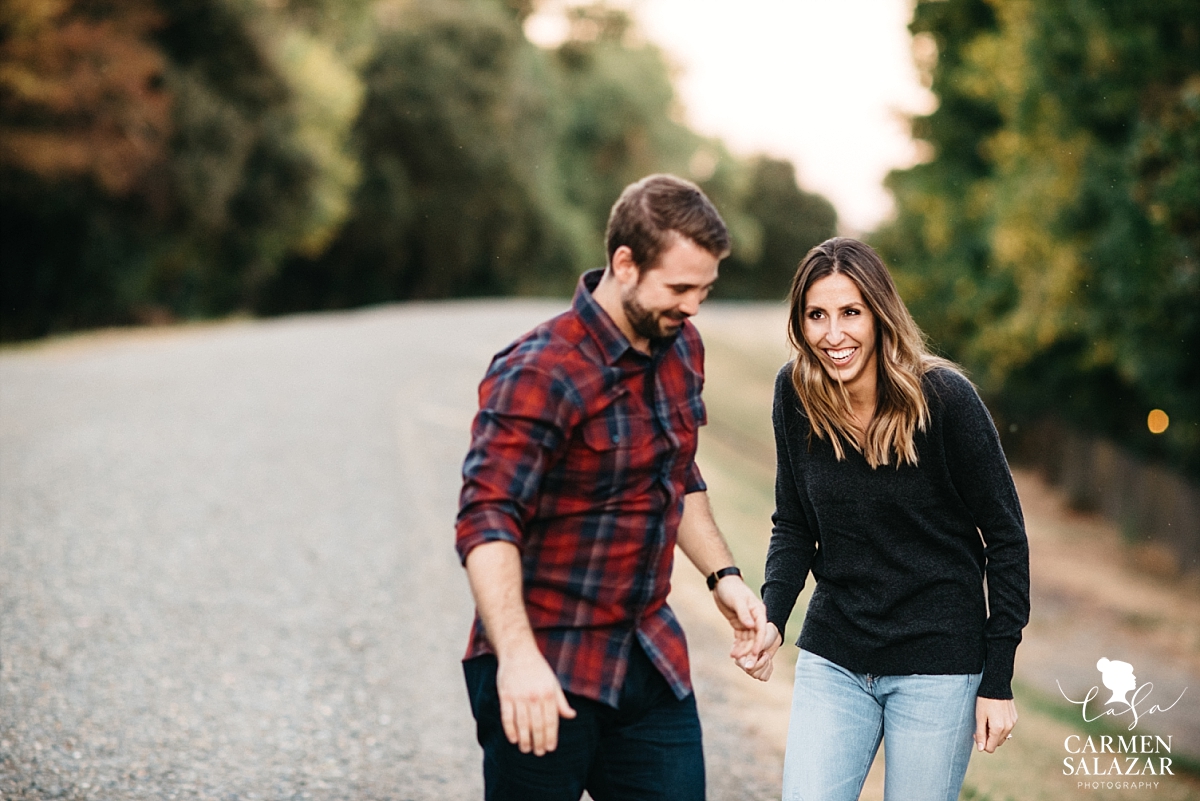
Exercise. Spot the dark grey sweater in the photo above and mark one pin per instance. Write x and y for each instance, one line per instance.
(900, 555)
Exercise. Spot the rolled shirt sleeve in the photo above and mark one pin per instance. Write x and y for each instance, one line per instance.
(524, 414)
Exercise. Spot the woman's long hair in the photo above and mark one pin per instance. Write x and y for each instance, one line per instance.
(902, 359)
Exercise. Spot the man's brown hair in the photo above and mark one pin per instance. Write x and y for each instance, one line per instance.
(649, 213)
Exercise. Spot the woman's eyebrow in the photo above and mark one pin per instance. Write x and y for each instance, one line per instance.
(852, 304)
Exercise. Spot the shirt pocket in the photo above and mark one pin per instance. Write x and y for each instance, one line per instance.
(618, 428)
(613, 457)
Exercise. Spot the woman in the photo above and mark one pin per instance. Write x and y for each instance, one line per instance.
(893, 490)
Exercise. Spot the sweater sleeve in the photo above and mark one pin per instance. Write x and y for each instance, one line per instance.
(793, 543)
(980, 474)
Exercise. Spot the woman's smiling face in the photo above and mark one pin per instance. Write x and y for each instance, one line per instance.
(840, 329)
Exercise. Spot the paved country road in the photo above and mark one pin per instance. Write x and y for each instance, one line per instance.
(226, 563)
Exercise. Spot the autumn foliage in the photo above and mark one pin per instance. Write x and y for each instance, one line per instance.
(81, 92)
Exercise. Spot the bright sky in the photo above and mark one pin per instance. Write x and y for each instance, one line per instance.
(824, 83)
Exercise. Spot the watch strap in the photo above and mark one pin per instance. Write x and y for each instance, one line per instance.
(720, 574)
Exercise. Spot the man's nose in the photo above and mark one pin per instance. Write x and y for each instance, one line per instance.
(690, 305)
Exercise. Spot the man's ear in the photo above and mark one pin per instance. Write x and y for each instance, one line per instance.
(624, 268)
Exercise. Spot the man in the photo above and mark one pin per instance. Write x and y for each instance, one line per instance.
(579, 483)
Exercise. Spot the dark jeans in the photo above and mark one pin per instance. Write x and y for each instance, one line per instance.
(648, 749)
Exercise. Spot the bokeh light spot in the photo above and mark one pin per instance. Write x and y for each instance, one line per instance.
(1158, 421)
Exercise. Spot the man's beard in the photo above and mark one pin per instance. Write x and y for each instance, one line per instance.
(646, 323)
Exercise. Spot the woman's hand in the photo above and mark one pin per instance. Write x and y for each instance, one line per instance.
(760, 663)
(994, 720)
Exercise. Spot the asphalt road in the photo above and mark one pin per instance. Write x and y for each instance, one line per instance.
(226, 562)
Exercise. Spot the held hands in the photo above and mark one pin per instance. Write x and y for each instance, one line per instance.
(761, 664)
(531, 701)
(994, 719)
(751, 631)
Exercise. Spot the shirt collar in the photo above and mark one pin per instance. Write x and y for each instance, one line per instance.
(595, 319)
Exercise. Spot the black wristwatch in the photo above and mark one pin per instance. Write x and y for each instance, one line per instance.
(720, 574)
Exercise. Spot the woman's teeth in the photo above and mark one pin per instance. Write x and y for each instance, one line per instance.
(842, 355)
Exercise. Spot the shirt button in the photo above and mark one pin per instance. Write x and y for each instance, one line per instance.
(616, 439)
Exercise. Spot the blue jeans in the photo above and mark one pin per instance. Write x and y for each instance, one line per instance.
(648, 749)
(839, 717)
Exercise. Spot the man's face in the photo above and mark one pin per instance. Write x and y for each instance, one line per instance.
(672, 291)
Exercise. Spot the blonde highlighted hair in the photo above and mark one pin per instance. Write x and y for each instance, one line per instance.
(902, 360)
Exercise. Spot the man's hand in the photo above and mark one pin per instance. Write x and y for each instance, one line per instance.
(701, 540)
(746, 614)
(994, 719)
(531, 701)
(761, 664)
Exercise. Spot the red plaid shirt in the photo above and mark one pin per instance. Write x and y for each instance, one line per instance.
(581, 454)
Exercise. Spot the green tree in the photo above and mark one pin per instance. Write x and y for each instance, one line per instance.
(618, 118)
(790, 220)
(458, 149)
(1067, 279)
(618, 113)
(937, 243)
(262, 164)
